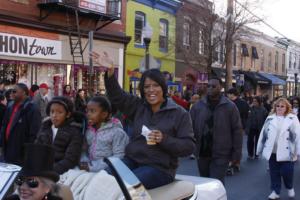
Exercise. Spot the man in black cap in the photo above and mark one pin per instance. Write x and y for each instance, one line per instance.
(21, 124)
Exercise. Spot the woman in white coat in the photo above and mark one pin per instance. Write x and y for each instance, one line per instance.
(279, 144)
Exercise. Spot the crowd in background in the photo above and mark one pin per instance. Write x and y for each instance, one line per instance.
(84, 130)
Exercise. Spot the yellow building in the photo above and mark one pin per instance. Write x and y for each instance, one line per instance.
(159, 17)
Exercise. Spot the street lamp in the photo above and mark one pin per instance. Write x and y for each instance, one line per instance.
(147, 33)
(296, 83)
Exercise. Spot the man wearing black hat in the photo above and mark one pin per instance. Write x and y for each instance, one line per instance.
(37, 178)
(21, 124)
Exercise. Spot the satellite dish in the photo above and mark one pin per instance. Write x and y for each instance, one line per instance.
(153, 64)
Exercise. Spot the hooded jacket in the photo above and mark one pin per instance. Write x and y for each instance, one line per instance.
(67, 143)
(109, 140)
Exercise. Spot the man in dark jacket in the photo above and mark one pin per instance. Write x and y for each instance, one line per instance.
(218, 131)
(21, 124)
(241, 104)
(243, 108)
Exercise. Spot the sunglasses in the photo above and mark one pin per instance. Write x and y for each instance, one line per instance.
(280, 106)
(31, 182)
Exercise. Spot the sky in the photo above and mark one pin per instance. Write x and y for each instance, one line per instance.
(283, 15)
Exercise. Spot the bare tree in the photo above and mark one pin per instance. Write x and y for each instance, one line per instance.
(212, 31)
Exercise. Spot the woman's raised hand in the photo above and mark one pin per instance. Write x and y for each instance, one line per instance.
(103, 59)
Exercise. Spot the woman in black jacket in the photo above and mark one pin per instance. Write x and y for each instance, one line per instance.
(256, 119)
(63, 132)
(80, 101)
(161, 130)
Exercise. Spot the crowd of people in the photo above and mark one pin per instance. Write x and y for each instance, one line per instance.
(82, 131)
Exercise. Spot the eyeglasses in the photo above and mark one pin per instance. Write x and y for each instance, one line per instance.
(14, 91)
(280, 106)
(31, 182)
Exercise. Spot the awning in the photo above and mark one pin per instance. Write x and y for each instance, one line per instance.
(275, 80)
(257, 78)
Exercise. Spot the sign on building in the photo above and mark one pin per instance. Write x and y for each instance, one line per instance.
(94, 5)
(31, 47)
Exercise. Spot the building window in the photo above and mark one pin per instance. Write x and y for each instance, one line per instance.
(294, 61)
(283, 63)
(221, 51)
(276, 61)
(138, 27)
(186, 34)
(234, 55)
(254, 56)
(201, 43)
(244, 50)
(262, 59)
(215, 50)
(163, 34)
(290, 60)
(254, 53)
(270, 60)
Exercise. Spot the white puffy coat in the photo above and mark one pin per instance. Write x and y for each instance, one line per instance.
(288, 146)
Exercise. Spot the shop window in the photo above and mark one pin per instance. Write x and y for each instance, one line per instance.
(138, 27)
(163, 34)
(29, 73)
(244, 50)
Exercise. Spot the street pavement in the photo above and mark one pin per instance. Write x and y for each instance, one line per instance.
(251, 183)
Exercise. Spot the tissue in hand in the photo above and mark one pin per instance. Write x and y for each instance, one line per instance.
(145, 133)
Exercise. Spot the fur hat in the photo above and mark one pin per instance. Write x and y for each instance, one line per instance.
(38, 161)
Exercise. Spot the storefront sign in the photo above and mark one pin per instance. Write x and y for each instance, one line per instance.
(94, 5)
(22, 46)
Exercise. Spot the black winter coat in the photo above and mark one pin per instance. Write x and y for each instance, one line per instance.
(243, 108)
(24, 129)
(256, 119)
(172, 120)
(67, 143)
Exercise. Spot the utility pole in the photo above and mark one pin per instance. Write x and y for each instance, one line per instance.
(228, 44)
